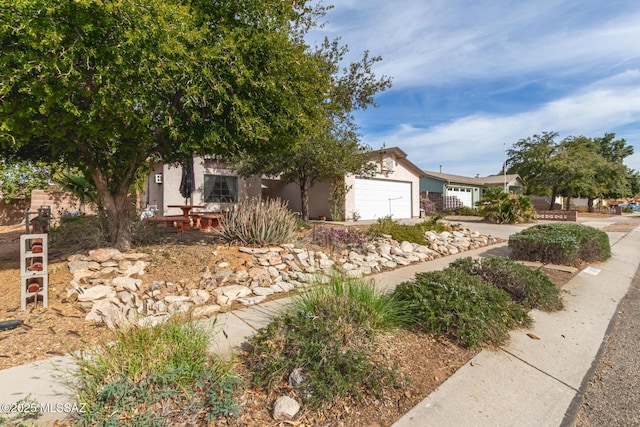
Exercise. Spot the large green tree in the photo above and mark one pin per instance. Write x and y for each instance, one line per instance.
(574, 167)
(105, 86)
(332, 147)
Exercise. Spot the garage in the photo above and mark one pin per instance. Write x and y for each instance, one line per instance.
(377, 198)
(465, 195)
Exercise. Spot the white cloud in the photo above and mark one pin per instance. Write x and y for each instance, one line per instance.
(473, 144)
(439, 42)
(478, 60)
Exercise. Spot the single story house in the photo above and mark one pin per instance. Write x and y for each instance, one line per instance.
(394, 189)
(215, 186)
(449, 191)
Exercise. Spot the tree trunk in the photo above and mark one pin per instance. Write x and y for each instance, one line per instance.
(554, 194)
(304, 199)
(568, 203)
(116, 207)
(118, 222)
(590, 204)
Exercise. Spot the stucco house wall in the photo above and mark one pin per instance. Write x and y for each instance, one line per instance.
(165, 191)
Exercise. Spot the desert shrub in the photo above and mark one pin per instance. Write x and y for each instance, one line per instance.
(503, 208)
(159, 375)
(455, 303)
(77, 233)
(411, 233)
(254, 222)
(467, 211)
(560, 243)
(528, 287)
(339, 237)
(327, 336)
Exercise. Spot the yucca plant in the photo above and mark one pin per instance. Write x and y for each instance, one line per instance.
(252, 222)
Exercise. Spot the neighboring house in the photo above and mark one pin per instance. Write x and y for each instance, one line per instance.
(449, 191)
(216, 187)
(392, 190)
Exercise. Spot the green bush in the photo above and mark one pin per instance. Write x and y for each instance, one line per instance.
(467, 211)
(503, 208)
(328, 336)
(455, 303)
(528, 287)
(155, 376)
(560, 243)
(253, 222)
(411, 233)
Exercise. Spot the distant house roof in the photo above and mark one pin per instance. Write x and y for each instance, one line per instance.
(481, 181)
(401, 156)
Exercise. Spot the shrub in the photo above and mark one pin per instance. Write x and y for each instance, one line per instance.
(77, 233)
(528, 287)
(560, 243)
(327, 335)
(410, 233)
(155, 376)
(467, 211)
(339, 237)
(502, 208)
(454, 303)
(267, 222)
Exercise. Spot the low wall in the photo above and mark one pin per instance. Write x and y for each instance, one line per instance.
(59, 201)
(557, 215)
(13, 213)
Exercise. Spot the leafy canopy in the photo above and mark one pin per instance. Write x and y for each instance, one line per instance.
(107, 87)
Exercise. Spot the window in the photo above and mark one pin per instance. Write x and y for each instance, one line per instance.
(220, 189)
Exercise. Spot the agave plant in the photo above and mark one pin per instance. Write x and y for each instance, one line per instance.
(256, 222)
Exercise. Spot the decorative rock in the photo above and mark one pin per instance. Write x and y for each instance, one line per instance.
(199, 296)
(96, 293)
(406, 246)
(285, 408)
(283, 287)
(253, 251)
(127, 283)
(173, 299)
(233, 291)
(99, 255)
(252, 300)
(260, 274)
(262, 291)
(206, 310)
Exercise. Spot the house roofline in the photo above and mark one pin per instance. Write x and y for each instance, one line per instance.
(481, 181)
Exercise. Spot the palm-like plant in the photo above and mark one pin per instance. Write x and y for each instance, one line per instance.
(79, 186)
(500, 207)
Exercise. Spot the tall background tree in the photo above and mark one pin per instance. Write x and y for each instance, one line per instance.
(106, 87)
(574, 167)
(331, 148)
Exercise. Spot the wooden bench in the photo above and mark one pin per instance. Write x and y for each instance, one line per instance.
(208, 221)
(178, 221)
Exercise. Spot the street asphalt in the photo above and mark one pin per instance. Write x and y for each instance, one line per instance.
(527, 382)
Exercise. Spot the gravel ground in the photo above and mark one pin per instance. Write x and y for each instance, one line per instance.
(612, 395)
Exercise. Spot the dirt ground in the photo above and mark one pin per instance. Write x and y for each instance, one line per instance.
(424, 361)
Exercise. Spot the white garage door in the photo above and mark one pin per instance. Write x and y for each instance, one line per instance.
(464, 194)
(377, 198)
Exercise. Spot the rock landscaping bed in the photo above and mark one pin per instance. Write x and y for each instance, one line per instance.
(110, 285)
(95, 291)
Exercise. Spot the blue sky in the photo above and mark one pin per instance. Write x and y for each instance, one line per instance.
(472, 76)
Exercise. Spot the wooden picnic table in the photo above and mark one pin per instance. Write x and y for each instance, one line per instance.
(177, 221)
(186, 212)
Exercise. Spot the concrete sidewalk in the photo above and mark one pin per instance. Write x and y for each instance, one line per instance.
(531, 382)
(527, 382)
